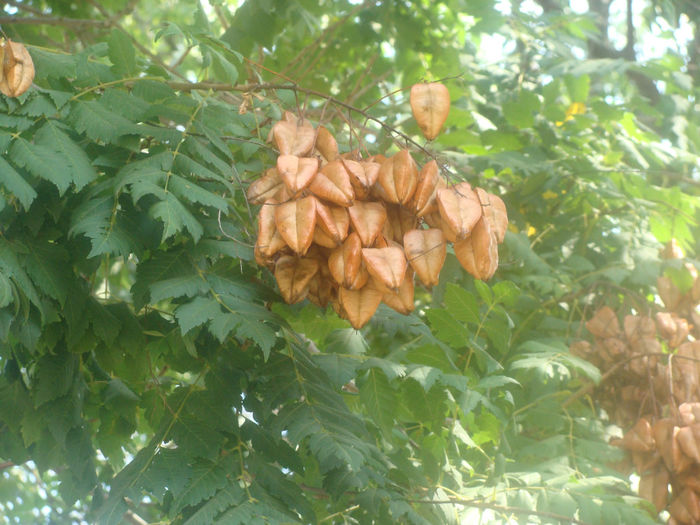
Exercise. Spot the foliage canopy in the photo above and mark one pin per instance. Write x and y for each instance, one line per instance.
(151, 371)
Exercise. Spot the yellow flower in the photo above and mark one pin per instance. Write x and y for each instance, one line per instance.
(576, 108)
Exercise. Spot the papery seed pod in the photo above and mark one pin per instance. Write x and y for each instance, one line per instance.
(426, 251)
(668, 292)
(478, 254)
(296, 220)
(429, 182)
(430, 104)
(293, 139)
(363, 176)
(386, 265)
(639, 438)
(332, 184)
(434, 220)
(689, 413)
(293, 275)
(604, 323)
(687, 438)
(398, 177)
(494, 210)
(681, 462)
(638, 327)
(326, 222)
(296, 172)
(265, 187)
(326, 144)
(399, 220)
(360, 305)
(367, 218)
(269, 240)
(17, 69)
(685, 507)
(460, 209)
(345, 264)
(402, 300)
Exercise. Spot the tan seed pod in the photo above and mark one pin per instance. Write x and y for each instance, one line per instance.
(430, 104)
(386, 265)
(495, 212)
(293, 139)
(326, 222)
(685, 507)
(402, 300)
(367, 218)
(429, 182)
(360, 305)
(269, 240)
(265, 187)
(398, 177)
(363, 175)
(478, 254)
(687, 438)
(296, 220)
(460, 209)
(332, 184)
(604, 323)
(426, 251)
(17, 69)
(326, 144)
(345, 264)
(293, 275)
(637, 439)
(296, 172)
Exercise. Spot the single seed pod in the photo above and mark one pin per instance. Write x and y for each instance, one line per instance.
(430, 104)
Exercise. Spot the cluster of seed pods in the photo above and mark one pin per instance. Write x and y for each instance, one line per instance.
(351, 232)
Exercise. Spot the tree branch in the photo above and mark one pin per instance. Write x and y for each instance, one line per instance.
(52, 21)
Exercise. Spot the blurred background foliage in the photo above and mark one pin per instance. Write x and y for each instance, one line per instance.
(135, 387)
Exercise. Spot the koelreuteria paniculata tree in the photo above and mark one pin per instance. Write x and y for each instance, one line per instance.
(152, 370)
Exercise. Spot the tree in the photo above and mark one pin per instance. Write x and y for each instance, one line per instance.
(150, 369)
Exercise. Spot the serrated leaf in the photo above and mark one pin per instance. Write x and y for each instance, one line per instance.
(94, 219)
(207, 478)
(175, 217)
(98, 122)
(51, 136)
(16, 184)
(197, 312)
(447, 328)
(261, 333)
(461, 304)
(122, 53)
(229, 496)
(54, 376)
(46, 264)
(42, 162)
(186, 285)
(378, 398)
(188, 190)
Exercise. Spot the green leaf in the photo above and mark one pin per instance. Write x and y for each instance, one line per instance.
(121, 53)
(461, 304)
(54, 377)
(175, 217)
(98, 122)
(447, 328)
(197, 312)
(378, 398)
(207, 478)
(43, 162)
(188, 190)
(16, 184)
(51, 137)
